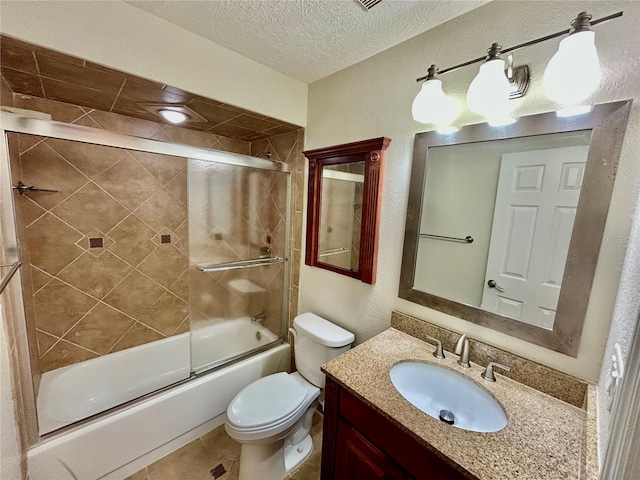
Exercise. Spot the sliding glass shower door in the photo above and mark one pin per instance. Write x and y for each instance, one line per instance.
(238, 244)
(142, 262)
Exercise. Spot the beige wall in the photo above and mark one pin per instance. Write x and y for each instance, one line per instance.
(373, 98)
(118, 35)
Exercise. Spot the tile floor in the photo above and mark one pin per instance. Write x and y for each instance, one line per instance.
(200, 459)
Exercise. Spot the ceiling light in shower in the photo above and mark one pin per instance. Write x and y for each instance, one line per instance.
(173, 116)
(173, 113)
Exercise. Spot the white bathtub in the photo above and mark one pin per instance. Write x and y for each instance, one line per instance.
(79, 391)
(113, 445)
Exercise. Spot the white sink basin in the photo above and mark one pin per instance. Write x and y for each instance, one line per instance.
(435, 390)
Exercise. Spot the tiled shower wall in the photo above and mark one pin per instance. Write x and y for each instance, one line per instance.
(288, 148)
(236, 213)
(108, 253)
(96, 316)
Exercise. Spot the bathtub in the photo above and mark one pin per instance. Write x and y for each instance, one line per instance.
(124, 440)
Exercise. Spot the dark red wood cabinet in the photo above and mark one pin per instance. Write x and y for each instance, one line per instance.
(358, 443)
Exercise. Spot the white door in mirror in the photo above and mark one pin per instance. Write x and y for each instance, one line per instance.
(536, 203)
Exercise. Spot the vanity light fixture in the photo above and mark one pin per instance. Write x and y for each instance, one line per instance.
(432, 105)
(570, 77)
(573, 73)
(489, 92)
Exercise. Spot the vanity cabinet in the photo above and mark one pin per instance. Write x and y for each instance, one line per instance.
(360, 443)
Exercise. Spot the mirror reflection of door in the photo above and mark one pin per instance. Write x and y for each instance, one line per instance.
(341, 215)
(536, 203)
(517, 198)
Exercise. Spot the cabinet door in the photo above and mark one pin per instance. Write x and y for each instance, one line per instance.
(359, 459)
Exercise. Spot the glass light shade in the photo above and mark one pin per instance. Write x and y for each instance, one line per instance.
(173, 116)
(431, 105)
(488, 93)
(573, 73)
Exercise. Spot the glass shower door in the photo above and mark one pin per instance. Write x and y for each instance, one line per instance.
(104, 242)
(237, 243)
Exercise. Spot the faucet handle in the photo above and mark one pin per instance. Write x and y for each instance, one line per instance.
(438, 353)
(488, 372)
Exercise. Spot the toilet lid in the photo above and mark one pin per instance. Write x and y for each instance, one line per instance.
(266, 401)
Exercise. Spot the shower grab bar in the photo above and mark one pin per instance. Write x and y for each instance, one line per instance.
(256, 262)
(467, 239)
(7, 278)
(333, 251)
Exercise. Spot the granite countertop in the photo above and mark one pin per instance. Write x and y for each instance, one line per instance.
(545, 438)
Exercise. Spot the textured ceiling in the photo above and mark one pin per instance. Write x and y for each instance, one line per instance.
(307, 39)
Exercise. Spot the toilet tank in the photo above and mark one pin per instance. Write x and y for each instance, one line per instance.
(317, 341)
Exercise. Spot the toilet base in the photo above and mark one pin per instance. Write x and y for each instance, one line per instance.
(294, 455)
(272, 461)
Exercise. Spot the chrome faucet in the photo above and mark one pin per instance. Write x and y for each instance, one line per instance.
(462, 349)
(259, 318)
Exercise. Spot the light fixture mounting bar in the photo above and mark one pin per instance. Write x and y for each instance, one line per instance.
(522, 45)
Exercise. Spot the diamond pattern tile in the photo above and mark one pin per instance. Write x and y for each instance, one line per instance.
(95, 276)
(90, 208)
(43, 167)
(166, 314)
(39, 278)
(162, 167)
(45, 341)
(162, 210)
(52, 244)
(62, 354)
(132, 239)
(29, 210)
(181, 286)
(164, 265)
(105, 240)
(90, 159)
(129, 182)
(138, 335)
(135, 294)
(58, 306)
(100, 329)
(178, 186)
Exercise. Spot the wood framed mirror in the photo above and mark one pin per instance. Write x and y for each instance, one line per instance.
(543, 185)
(343, 209)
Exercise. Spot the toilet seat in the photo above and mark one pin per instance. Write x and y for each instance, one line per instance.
(269, 407)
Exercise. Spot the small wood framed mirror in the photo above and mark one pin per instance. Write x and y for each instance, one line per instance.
(343, 211)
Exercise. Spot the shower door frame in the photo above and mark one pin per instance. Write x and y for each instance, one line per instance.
(21, 124)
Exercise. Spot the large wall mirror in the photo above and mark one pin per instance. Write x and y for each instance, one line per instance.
(504, 225)
(345, 191)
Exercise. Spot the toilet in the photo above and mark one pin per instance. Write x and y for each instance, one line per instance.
(272, 416)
